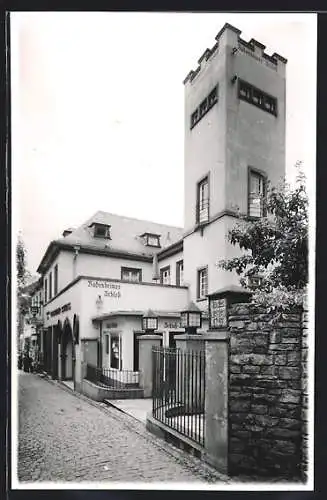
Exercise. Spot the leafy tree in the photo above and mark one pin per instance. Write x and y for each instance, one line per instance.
(23, 298)
(276, 246)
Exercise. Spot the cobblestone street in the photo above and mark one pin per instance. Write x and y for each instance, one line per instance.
(67, 438)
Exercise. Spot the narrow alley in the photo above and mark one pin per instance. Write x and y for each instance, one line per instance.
(66, 438)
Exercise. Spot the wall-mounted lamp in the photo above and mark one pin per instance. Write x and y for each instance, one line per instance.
(99, 301)
(234, 50)
(233, 80)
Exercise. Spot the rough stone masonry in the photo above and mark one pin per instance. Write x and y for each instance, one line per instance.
(267, 407)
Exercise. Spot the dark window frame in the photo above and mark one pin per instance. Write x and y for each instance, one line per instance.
(206, 104)
(152, 235)
(205, 178)
(259, 173)
(50, 285)
(265, 101)
(198, 271)
(45, 290)
(98, 228)
(253, 278)
(55, 280)
(129, 269)
(179, 263)
(162, 270)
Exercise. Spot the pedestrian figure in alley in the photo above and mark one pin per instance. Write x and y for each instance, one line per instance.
(27, 363)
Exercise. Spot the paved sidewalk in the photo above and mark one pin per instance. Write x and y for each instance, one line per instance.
(65, 437)
(136, 408)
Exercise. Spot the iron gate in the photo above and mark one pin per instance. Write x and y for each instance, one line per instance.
(178, 393)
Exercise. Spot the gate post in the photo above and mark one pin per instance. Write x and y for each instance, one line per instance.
(146, 342)
(216, 400)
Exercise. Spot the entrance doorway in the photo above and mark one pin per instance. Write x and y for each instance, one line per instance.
(136, 352)
(55, 338)
(67, 353)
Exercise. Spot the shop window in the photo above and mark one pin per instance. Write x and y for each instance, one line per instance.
(179, 273)
(55, 280)
(251, 94)
(257, 194)
(131, 274)
(165, 275)
(115, 352)
(202, 204)
(50, 286)
(202, 282)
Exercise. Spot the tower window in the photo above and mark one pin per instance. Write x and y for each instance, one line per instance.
(202, 205)
(202, 282)
(252, 95)
(257, 194)
(204, 107)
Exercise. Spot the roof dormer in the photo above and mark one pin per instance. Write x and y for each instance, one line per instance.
(151, 240)
(100, 230)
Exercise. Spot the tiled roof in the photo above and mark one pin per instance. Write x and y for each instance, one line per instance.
(125, 239)
(125, 234)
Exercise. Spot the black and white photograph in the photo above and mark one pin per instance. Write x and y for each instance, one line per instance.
(163, 170)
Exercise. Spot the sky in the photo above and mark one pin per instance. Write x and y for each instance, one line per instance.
(97, 104)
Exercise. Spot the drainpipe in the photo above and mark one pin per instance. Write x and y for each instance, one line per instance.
(77, 249)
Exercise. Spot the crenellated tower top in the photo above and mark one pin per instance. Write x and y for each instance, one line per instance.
(231, 35)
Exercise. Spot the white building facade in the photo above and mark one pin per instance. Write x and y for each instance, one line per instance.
(101, 278)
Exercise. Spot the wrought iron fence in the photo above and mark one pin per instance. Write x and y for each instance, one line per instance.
(116, 379)
(178, 393)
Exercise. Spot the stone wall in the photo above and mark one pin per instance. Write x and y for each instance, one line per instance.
(266, 357)
(304, 380)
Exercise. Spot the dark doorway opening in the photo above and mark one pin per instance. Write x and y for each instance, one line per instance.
(136, 352)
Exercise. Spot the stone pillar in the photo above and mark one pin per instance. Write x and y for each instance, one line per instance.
(216, 400)
(146, 342)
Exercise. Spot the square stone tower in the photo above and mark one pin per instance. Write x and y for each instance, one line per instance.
(234, 144)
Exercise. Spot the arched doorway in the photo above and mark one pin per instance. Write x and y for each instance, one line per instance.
(67, 352)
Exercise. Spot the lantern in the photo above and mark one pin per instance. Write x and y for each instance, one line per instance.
(191, 318)
(149, 322)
